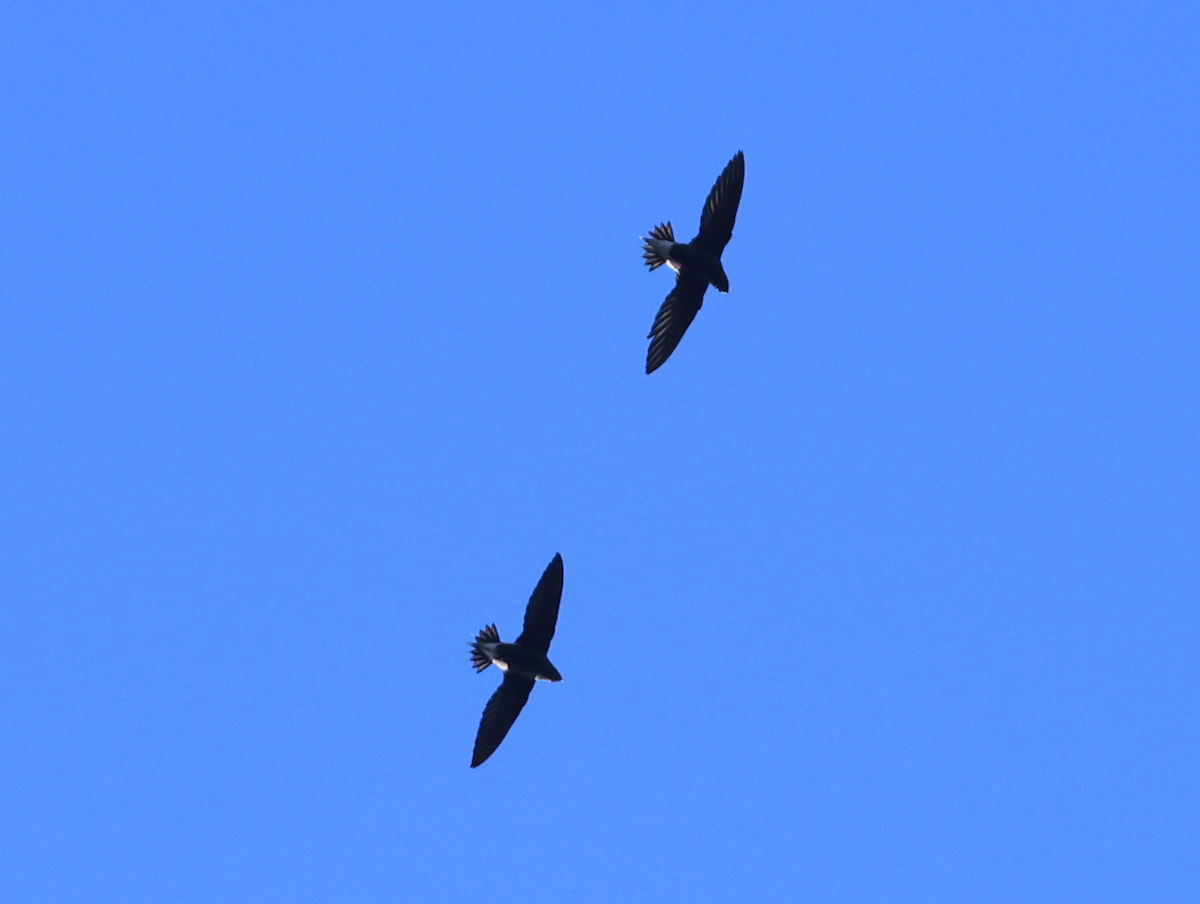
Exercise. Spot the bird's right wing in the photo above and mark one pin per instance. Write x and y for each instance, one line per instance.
(673, 318)
(720, 210)
(499, 715)
(541, 615)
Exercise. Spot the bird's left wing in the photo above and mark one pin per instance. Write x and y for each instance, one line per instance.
(499, 715)
(678, 311)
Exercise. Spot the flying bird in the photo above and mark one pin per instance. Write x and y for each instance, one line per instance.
(696, 264)
(522, 662)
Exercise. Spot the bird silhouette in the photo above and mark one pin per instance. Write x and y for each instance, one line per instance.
(696, 264)
(522, 662)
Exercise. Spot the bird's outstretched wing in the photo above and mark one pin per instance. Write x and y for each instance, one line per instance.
(499, 714)
(541, 615)
(673, 318)
(720, 210)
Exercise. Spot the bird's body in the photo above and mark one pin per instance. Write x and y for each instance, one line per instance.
(661, 248)
(523, 662)
(511, 658)
(697, 264)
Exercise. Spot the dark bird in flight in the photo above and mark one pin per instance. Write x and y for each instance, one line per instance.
(522, 662)
(696, 264)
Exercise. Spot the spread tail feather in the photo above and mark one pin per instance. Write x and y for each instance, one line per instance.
(479, 657)
(653, 247)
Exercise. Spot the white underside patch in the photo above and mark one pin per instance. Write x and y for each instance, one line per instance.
(489, 650)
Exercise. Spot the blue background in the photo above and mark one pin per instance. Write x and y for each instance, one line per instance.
(323, 330)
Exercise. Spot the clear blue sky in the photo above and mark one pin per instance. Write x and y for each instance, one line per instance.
(323, 331)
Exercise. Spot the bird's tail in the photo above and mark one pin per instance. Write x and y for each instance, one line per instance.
(479, 657)
(655, 251)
